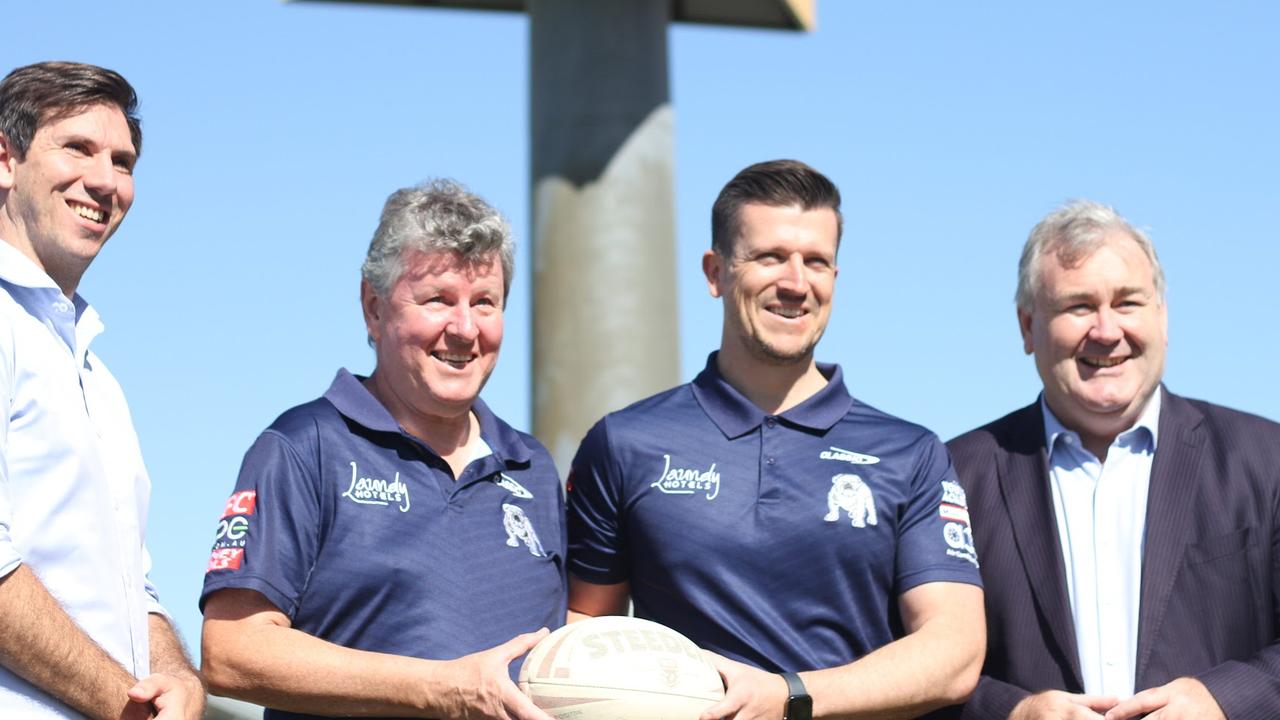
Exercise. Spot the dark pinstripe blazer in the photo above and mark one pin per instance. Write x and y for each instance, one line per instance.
(1210, 572)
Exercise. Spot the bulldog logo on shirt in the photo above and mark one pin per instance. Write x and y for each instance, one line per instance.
(519, 530)
(850, 494)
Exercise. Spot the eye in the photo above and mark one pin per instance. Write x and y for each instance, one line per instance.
(769, 258)
(124, 164)
(77, 147)
(818, 263)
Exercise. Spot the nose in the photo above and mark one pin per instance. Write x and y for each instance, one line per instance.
(795, 276)
(462, 323)
(1106, 327)
(100, 175)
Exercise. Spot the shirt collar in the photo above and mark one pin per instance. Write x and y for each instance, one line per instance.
(1149, 420)
(735, 415)
(74, 320)
(353, 400)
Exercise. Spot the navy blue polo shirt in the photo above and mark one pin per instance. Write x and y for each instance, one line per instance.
(358, 532)
(782, 540)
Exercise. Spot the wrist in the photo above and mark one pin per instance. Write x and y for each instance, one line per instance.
(798, 705)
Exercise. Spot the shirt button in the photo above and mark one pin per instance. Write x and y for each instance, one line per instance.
(770, 421)
(768, 460)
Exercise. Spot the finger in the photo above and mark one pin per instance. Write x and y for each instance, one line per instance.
(150, 687)
(731, 705)
(1144, 702)
(521, 644)
(519, 706)
(1096, 703)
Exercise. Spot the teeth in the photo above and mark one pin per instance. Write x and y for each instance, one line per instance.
(1103, 362)
(453, 358)
(789, 312)
(88, 213)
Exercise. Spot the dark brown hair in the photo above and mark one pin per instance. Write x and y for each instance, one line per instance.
(35, 95)
(777, 183)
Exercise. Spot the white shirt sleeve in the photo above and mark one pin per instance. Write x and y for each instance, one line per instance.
(9, 557)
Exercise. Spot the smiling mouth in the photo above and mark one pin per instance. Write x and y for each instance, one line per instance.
(87, 212)
(1096, 362)
(453, 360)
(790, 313)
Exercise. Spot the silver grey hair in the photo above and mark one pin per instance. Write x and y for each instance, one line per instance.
(438, 215)
(1073, 232)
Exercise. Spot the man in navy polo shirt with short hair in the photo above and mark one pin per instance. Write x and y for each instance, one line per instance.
(386, 542)
(767, 514)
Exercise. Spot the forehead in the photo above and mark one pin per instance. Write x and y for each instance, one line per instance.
(761, 224)
(450, 267)
(1117, 261)
(103, 122)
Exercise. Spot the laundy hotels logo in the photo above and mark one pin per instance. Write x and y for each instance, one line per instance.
(233, 531)
(687, 481)
(376, 491)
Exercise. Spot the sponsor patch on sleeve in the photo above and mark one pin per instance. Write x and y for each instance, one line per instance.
(225, 559)
(956, 532)
(233, 531)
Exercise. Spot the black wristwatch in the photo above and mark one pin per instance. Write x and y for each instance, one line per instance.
(799, 704)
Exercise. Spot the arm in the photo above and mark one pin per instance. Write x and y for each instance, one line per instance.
(250, 651)
(174, 688)
(587, 599)
(935, 664)
(42, 644)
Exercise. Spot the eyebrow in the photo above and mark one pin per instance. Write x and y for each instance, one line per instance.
(1085, 296)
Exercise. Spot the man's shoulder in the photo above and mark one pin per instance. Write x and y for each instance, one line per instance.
(1019, 429)
(862, 417)
(675, 401)
(305, 422)
(1233, 425)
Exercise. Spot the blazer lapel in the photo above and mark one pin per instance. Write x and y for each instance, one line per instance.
(1175, 471)
(1024, 482)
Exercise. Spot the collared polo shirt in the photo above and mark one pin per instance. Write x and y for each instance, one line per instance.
(1101, 509)
(781, 540)
(73, 489)
(358, 532)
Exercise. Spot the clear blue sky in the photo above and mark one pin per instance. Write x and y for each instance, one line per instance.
(275, 131)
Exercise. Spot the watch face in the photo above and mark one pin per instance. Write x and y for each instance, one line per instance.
(799, 707)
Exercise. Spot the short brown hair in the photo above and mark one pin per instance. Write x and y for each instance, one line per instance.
(777, 183)
(35, 95)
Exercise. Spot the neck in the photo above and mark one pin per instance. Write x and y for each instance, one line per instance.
(453, 438)
(772, 387)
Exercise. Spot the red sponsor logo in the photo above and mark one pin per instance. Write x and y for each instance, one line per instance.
(954, 513)
(242, 503)
(225, 559)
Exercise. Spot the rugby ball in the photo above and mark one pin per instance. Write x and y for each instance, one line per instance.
(619, 668)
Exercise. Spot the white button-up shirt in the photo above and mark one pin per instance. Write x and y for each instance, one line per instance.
(73, 489)
(1101, 509)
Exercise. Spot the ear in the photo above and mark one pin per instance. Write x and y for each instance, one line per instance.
(712, 264)
(371, 304)
(1024, 325)
(8, 163)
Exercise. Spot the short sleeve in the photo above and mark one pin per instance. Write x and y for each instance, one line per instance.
(597, 551)
(935, 542)
(268, 534)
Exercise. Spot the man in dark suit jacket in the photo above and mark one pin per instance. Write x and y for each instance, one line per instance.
(1129, 537)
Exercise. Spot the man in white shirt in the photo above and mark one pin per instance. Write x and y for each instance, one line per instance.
(82, 632)
(1130, 537)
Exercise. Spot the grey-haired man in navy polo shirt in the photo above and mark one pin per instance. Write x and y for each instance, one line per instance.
(392, 547)
(820, 546)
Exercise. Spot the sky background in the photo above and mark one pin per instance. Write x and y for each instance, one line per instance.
(274, 132)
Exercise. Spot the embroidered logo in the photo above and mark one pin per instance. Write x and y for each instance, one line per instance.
(376, 491)
(687, 481)
(956, 532)
(850, 494)
(509, 484)
(233, 530)
(849, 456)
(520, 530)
